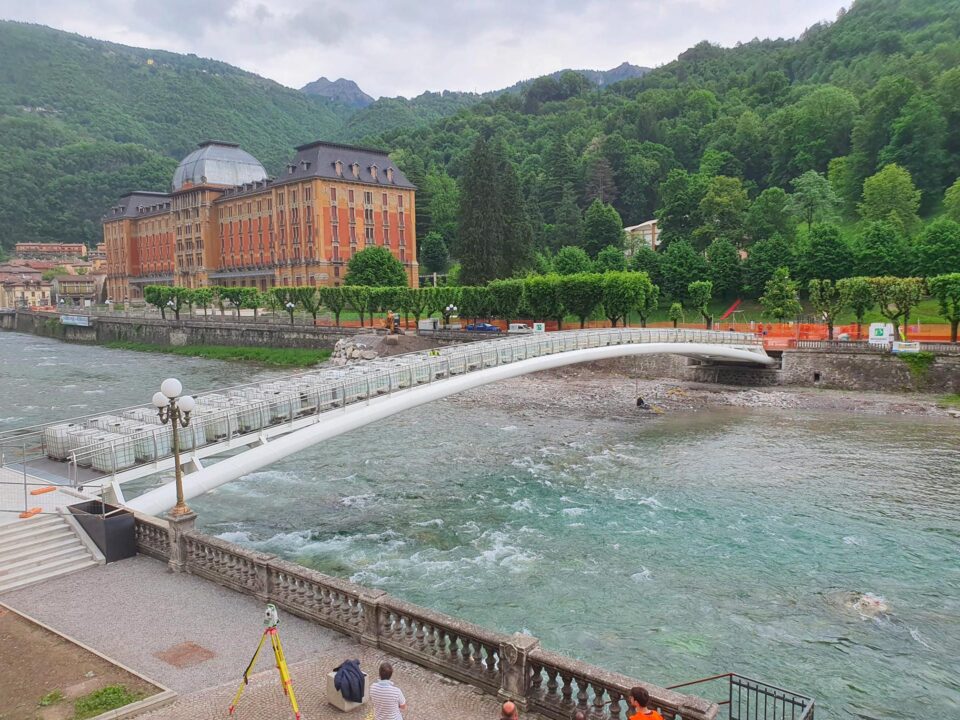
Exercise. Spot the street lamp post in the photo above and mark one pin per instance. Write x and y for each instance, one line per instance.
(449, 310)
(174, 409)
(290, 306)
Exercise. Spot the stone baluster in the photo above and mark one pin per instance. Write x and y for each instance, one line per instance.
(566, 692)
(599, 692)
(493, 660)
(582, 704)
(465, 658)
(615, 698)
(420, 636)
(431, 648)
(552, 685)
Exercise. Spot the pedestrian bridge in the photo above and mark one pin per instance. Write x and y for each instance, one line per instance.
(262, 423)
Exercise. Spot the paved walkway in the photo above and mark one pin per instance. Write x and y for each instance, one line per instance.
(196, 638)
(15, 495)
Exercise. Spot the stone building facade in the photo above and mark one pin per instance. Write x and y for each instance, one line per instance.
(226, 223)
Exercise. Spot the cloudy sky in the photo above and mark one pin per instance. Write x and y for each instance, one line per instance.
(403, 47)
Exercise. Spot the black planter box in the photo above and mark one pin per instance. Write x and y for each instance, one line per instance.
(110, 528)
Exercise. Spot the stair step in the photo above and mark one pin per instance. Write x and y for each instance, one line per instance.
(52, 564)
(18, 526)
(46, 559)
(38, 547)
(7, 584)
(39, 534)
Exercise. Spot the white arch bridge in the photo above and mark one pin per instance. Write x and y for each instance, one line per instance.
(266, 422)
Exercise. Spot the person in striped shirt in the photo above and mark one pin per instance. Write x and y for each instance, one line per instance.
(388, 700)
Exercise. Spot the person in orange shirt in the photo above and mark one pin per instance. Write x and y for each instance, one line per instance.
(637, 700)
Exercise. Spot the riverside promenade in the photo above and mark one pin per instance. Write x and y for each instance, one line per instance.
(196, 638)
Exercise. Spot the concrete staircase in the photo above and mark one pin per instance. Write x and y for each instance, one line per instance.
(42, 547)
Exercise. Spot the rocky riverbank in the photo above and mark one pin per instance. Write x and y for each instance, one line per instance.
(600, 393)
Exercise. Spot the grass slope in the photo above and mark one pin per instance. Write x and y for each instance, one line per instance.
(280, 357)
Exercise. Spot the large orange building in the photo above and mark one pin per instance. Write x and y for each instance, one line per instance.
(226, 223)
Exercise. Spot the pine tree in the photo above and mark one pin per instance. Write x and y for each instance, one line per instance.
(481, 225)
(600, 183)
(560, 170)
(568, 228)
(494, 237)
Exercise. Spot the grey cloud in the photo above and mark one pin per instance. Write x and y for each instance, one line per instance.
(408, 46)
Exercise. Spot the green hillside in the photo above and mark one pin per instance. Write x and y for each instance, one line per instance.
(880, 85)
(82, 121)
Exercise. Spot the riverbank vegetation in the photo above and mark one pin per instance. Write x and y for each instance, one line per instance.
(280, 357)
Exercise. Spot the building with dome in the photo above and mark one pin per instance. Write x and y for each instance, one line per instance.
(225, 222)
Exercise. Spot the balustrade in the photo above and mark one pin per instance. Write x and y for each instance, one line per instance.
(512, 666)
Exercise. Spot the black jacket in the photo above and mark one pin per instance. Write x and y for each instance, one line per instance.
(349, 681)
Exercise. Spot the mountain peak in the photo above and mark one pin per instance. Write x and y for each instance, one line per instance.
(341, 90)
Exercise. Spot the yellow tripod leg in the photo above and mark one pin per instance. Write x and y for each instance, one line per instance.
(284, 672)
(246, 673)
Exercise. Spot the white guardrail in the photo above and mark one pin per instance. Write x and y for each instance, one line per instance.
(131, 442)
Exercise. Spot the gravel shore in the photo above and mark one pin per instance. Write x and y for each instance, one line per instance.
(590, 392)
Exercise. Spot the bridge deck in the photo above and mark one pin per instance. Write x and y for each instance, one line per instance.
(111, 448)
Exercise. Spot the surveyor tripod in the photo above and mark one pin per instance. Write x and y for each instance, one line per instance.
(270, 620)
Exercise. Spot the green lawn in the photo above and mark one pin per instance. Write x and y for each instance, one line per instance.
(280, 357)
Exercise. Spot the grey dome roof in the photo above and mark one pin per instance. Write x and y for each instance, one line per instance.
(218, 163)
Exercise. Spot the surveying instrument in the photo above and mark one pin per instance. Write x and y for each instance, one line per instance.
(270, 621)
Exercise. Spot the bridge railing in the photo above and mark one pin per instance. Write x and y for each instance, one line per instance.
(95, 448)
(512, 666)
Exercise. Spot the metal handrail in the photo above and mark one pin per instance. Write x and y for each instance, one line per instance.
(780, 698)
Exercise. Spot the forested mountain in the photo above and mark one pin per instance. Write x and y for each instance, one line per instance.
(387, 114)
(83, 121)
(701, 140)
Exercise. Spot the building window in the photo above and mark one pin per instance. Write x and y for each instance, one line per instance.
(373, 171)
(293, 198)
(368, 235)
(353, 234)
(368, 198)
(386, 236)
(383, 200)
(307, 194)
(280, 200)
(333, 196)
(336, 253)
(403, 238)
(400, 201)
(335, 233)
(338, 166)
(350, 197)
(356, 169)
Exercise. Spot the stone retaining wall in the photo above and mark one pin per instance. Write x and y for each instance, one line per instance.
(874, 371)
(510, 666)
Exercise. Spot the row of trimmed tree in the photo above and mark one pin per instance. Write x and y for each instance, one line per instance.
(613, 295)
